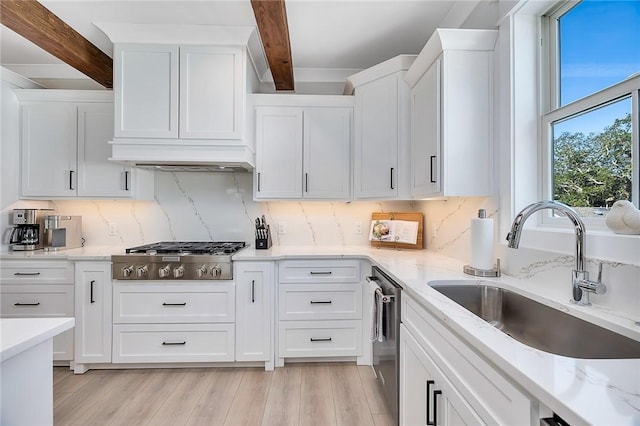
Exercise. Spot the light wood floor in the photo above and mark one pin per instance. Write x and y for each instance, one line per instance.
(297, 394)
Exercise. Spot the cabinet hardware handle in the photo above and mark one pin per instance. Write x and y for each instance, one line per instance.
(392, 178)
(306, 182)
(175, 304)
(433, 157)
(26, 304)
(126, 181)
(173, 343)
(71, 180)
(91, 299)
(320, 273)
(26, 274)
(435, 406)
(253, 291)
(320, 339)
(429, 384)
(258, 182)
(326, 302)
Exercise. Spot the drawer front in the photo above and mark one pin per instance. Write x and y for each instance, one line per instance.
(488, 392)
(17, 301)
(140, 343)
(37, 272)
(320, 338)
(325, 301)
(319, 271)
(173, 304)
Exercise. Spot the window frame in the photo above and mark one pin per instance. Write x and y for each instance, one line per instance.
(552, 113)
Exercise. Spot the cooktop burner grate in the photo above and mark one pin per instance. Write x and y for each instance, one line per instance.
(186, 247)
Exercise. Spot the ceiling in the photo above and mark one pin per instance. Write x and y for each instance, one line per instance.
(330, 39)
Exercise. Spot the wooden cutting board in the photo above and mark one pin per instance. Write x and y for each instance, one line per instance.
(409, 217)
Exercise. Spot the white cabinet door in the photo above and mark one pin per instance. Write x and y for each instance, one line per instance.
(425, 138)
(93, 312)
(376, 139)
(97, 176)
(145, 84)
(254, 311)
(326, 162)
(48, 149)
(211, 105)
(426, 395)
(278, 171)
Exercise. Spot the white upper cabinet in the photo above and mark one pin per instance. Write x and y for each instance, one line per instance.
(65, 148)
(145, 81)
(382, 129)
(452, 114)
(303, 147)
(185, 92)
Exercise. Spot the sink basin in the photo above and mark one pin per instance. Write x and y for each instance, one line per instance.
(538, 325)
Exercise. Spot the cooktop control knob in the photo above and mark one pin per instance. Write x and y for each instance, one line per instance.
(142, 271)
(127, 271)
(178, 272)
(216, 271)
(202, 271)
(164, 272)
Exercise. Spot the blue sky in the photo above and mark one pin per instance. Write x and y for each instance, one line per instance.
(600, 46)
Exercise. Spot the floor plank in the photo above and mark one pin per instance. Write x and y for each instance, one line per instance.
(283, 403)
(316, 396)
(248, 405)
(375, 397)
(352, 408)
(214, 404)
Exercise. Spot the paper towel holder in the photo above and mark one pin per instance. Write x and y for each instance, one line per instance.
(495, 272)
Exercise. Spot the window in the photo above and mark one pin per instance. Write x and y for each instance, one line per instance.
(590, 131)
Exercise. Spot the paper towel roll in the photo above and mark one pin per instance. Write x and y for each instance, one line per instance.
(482, 243)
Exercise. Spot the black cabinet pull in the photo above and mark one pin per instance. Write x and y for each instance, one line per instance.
(320, 272)
(433, 157)
(126, 181)
(258, 182)
(26, 274)
(435, 406)
(320, 339)
(253, 291)
(306, 182)
(26, 304)
(321, 302)
(429, 384)
(71, 180)
(173, 343)
(392, 178)
(175, 304)
(91, 299)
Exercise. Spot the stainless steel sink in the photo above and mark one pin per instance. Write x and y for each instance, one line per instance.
(538, 325)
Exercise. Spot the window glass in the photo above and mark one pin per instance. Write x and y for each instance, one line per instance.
(599, 45)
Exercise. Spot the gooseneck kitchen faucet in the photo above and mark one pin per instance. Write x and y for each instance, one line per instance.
(582, 286)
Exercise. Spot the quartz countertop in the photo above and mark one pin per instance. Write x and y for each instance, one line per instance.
(582, 391)
(20, 334)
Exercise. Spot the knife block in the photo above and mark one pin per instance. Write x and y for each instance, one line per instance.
(264, 243)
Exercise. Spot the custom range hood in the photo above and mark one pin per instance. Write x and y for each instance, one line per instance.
(180, 95)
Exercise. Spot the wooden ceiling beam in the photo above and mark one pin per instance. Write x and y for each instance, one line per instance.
(37, 24)
(271, 16)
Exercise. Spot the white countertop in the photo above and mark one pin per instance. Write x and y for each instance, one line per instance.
(19, 334)
(582, 391)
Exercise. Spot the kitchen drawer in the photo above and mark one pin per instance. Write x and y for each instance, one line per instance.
(36, 272)
(321, 301)
(140, 343)
(36, 301)
(320, 338)
(487, 391)
(175, 303)
(319, 271)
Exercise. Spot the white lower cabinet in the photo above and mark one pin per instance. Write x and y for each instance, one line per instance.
(93, 314)
(445, 382)
(254, 311)
(157, 322)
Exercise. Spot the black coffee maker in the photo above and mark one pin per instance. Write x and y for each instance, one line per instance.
(29, 228)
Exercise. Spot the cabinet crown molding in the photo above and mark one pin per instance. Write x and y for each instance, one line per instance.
(383, 69)
(60, 95)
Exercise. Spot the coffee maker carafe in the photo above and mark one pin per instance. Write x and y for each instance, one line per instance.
(29, 227)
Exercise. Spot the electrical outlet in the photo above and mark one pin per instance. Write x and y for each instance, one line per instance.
(113, 229)
(358, 228)
(282, 228)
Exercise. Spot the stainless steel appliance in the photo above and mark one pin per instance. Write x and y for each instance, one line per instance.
(62, 232)
(173, 260)
(29, 228)
(386, 362)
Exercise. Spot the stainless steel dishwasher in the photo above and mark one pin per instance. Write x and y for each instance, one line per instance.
(386, 362)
